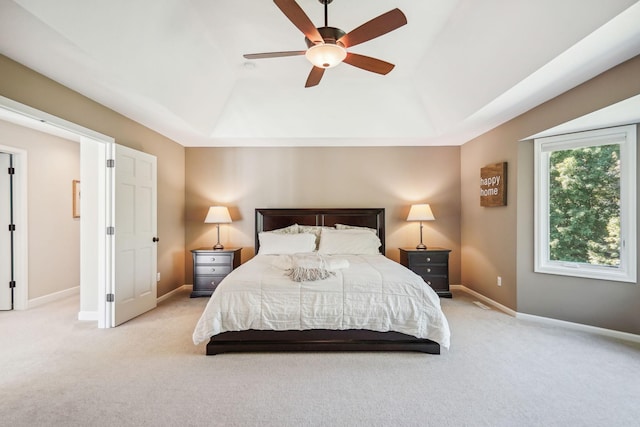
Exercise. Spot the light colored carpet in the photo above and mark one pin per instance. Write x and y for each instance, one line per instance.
(500, 371)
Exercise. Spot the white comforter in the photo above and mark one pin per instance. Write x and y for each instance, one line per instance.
(373, 293)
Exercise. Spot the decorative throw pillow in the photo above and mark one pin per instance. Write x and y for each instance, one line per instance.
(352, 242)
(292, 229)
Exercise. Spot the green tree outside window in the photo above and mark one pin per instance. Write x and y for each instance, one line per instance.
(584, 205)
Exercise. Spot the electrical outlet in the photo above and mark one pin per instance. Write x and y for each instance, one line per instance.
(158, 277)
(499, 280)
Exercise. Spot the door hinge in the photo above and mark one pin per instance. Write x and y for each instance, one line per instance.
(111, 231)
(111, 163)
(12, 227)
(12, 284)
(110, 298)
(12, 170)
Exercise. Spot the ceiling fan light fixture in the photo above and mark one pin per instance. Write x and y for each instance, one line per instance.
(327, 46)
(326, 55)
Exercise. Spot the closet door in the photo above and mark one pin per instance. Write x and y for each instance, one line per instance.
(6, 236)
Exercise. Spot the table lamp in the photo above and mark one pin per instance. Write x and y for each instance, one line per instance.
(218, 215)
(421, 212)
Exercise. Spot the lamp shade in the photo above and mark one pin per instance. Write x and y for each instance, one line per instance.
(218, 215)
(326, 55)
(420, 212)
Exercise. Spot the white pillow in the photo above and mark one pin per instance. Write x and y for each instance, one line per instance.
(355, 227)
(276, 243)
(352, 242)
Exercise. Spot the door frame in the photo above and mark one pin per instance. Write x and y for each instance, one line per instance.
(20, 242)
(98, 146)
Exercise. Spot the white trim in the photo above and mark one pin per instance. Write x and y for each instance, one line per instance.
(105, 265)
(552, 322)
(20, 215)
(56, 296)
(106, 308)
(625, 137)
(489, 301)
(173, 292)
(580, 327)
(41, 119)
(90, 315)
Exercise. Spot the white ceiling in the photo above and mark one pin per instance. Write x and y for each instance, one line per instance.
(176, 66)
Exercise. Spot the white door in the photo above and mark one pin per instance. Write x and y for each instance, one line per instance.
(135, 238)
(5, 234)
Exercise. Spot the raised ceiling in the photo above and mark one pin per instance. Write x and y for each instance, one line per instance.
(176, 66)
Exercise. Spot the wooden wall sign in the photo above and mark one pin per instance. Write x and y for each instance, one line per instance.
(493, 185)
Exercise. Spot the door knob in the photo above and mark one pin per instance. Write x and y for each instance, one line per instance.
(156, 239)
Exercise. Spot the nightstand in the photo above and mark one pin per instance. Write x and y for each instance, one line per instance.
(431, 264)
(210, 267)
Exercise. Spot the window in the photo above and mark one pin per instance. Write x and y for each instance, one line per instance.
(585, 219)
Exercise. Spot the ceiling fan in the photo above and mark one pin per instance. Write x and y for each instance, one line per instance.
(327, 46)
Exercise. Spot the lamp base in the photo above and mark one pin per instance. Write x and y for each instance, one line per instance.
(218, 246)
(421, 247)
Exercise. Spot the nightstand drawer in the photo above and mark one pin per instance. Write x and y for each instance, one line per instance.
(417, 258)
(213, 269)
(437, 283)
(430, 270)
(224, 259)
(207, 283)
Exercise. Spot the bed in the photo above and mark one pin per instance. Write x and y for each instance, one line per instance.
(260, 280)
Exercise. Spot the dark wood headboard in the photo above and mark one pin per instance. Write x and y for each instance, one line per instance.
(272, 219)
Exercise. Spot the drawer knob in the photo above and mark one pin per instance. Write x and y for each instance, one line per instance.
(429, 282)
(213, 259)
(213, 269)
(428, 259)
(428, 270)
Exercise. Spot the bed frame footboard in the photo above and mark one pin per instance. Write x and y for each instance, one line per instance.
(317, 341)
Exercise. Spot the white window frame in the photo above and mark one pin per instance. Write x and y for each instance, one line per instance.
(626, 137)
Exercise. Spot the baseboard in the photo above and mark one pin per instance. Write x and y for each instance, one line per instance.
(93, 315)
(173, 292)
(489, 301)
(549, 321)
(56, 296)
(76, 291)
(580, 327)
(87, 315)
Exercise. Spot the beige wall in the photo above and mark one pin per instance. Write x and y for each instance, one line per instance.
(30, 88)
(392, 178)
(500, 240)
(488, 234)
(53, 234)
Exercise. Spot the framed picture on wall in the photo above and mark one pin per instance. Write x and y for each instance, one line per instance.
(76, 198)
(493, 185)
